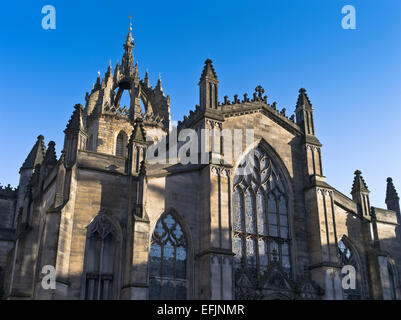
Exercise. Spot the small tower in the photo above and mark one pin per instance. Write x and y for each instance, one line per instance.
(304, 115)
(392, 199)
(360, 194)
(208, 87)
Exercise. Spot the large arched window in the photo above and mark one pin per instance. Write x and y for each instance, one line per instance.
(348, 257)
(168, 261)
(261, 230)
(102, 256)
(121, 144)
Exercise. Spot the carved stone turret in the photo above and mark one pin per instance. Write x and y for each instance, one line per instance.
(360, 194)
(208, 85)
(50, 160)
(304, 113)
(75, 135)
(136, 148)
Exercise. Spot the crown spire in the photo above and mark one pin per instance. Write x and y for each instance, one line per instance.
(128, 57)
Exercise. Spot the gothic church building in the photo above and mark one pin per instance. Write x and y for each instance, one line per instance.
(114, 225)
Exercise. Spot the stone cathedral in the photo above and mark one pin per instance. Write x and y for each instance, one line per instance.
(113, 225)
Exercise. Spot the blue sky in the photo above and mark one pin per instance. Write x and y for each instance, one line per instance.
(353, 77)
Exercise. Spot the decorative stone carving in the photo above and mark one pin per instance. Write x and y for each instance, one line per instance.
(102, 225)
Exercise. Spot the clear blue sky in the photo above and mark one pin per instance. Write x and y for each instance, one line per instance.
(353, 77)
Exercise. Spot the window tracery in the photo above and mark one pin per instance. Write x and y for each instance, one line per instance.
(168, 261)
(261, 228)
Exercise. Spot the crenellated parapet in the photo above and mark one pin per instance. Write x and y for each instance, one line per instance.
(238, 107)
(8, 191)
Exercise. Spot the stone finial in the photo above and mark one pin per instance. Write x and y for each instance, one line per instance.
(117, 70)
(159, 83)
(146, 80)
(36, 155)
(246, 99)
(208, 71)
(260, 91)
(226, 101)
(303, 100)
(109, 73)
(236, 100)
(76, 120)
(359, 184)
(138, 133)
(50, 157)
(282, 112)
(62, 157)
(97, 85)
(392, 198)
(391, 193)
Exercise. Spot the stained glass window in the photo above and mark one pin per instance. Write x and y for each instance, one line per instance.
(168, 261)
(261, 228)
